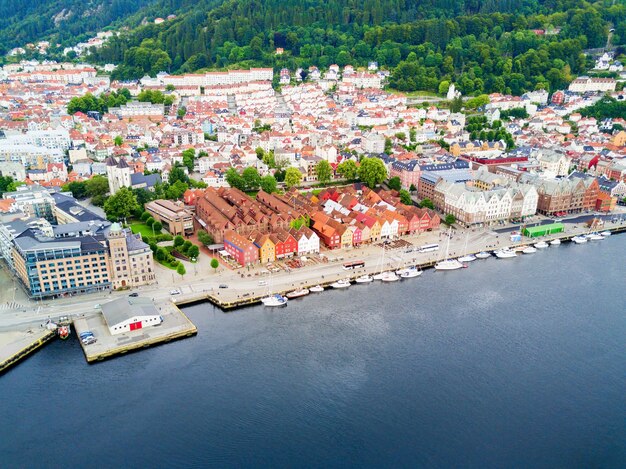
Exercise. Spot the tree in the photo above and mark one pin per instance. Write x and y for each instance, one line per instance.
(97, 188)
(388, 146)
(189, 156)
(405, 197)
(234, 179)
(268, 183)
(427, 203)
(180, 270)
(348, 170)
(449, 219)
(372, 171)
(324, 171)
(443, 87)
(77, 188)
(215, 264)
(293, 176)
(394, 183)
(150, 221)
(157, 226)
(204, 237)
(145, 216)
(121, 205)
(118, 141)
(178, 241)
(251, 178)
(260, 153)
(178, 174)
(175, 191)
(412, 188)
(193, 251)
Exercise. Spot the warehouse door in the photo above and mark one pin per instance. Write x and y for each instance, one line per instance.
(135, 325)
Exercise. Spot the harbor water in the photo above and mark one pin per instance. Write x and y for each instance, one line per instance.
(509, 363)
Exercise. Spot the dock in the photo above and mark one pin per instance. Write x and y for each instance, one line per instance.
(231, 299)
(16, 346)
(176, 325)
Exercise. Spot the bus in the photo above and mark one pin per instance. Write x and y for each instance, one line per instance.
(353, 265)
(429, 248)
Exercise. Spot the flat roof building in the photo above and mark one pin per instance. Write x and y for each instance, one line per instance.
(176, 219)
(128, 314)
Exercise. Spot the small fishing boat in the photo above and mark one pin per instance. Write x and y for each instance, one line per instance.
(579, 239)
(411, 272)
(541, 245)
(63, 332)
(483, 255)
(297, 293)
(505, 253)
(467, 258)
(529, 250)
(274, 300)
(316, 289)
(343, 283)
(364, 279)
(595, 237)
(390, 276)
(555, 242)
(606, 233)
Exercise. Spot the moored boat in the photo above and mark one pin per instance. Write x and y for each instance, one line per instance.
(579, 239)
(63, 332)
(555, 242)
(297, 293)
(541, 245)
(411, 272)
(274, 300)
(316, 289)
(449, 264)
(364, 279)
(467, 258)
(529, 250)
(390, 276)
(505, 253)
(483, 255)
(606, 233)
(595, 237)
(343, 283)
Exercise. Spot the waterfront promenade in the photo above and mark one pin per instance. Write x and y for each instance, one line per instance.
(244, 283)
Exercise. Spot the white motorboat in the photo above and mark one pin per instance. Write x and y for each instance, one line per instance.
(343, 283)
(595, 237)
(505, 253)
(483, 255)
(297, 293)
(606, 233)
(390, 276)
(274, 300)
(364, 279)
(529, 250)
(449, 264)
(555, 242)
(378, 276)
(541, 245)
(579, 239)
(316, 289)
(467, 258)
(411, 272)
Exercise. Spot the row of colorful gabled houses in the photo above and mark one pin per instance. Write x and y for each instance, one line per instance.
(336, 219)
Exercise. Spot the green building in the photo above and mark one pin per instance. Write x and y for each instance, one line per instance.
(542, 230)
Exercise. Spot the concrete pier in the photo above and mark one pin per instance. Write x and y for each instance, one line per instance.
(175, 326)
(16, 346)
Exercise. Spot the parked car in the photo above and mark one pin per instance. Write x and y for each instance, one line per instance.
(89, 340)
(223, 285)
(175, 292)
(85, 334)
(135, 294)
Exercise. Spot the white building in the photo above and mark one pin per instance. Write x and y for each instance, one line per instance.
(586, 84)
(128, 314)
(118, 174)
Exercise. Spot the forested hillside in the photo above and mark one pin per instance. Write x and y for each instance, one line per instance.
(483, 46)
(24, 21)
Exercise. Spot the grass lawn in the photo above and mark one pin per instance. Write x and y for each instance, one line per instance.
(141, 228)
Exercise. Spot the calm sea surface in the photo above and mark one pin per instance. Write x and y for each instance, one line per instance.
(510, 363)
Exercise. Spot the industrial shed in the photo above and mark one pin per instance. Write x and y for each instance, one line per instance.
(542, 230)
(129, 314)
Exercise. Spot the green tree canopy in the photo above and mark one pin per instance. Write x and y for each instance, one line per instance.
(405, 197)
(348, 169)
(268, 183)
(394, 183)
(372, 171)
(324, 171)
(293, 176)
(123, 204)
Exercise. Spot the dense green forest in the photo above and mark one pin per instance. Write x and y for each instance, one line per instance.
(61, 21)
(482, 46)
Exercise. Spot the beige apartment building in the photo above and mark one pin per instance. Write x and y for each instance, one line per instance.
(176, 219)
